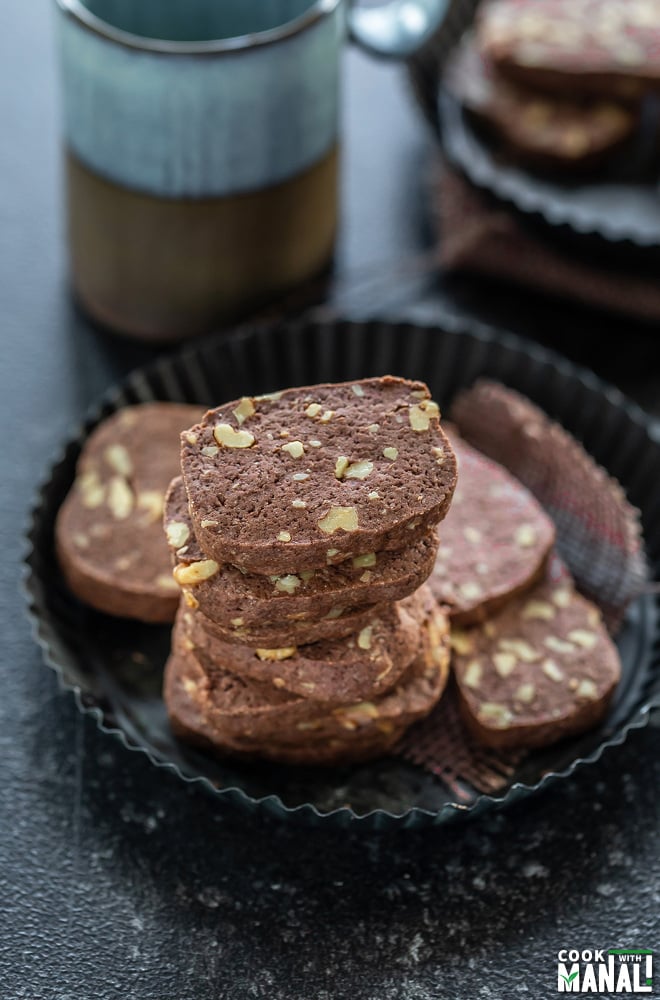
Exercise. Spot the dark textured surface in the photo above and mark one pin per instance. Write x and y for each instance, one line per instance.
(116, 881)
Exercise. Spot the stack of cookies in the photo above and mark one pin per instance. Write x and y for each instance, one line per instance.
(559, 82)
(303, 531)
(316, 608)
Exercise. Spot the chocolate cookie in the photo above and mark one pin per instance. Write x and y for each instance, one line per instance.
(362, 665)
(416, 694)
(308, 477)
(606, 47)
(201, 702)
(346, 622)
(187, 698)
(109, 533)
(543, 669)
(258, 610)
(554, 132)
(495, 542)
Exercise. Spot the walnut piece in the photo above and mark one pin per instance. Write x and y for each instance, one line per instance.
(277, 654)
(359, 470)
(473, 674)
(287, 584)
(177, 533)
(504, 663)
(364, 637)
(197, 572)
(120, 498)
(421, 414)
(460, 641)
(117, 457)
(525, 536)
(295, 448)
(244, 410)
(368, 559)
(339, 519)
(228, 437)
(152, 502)
(538, 609)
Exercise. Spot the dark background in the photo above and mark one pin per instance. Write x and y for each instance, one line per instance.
(115, 880)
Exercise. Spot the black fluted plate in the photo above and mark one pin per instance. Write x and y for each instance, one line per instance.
(114, 666)
(619, 205)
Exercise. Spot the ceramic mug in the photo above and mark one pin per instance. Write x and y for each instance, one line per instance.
(202, 148)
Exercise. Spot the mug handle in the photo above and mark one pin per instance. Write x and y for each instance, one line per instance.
(397, 28)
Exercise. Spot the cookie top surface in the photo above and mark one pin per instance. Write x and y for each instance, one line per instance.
(109, 529)
(544, 667)
(494, 541)
(237, 599)
(614, 39)
(308, 475)
(553, 129)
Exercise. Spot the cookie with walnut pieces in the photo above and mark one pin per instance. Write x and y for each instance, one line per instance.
(543, 669)
(495, 540)
(307, 477)
(109, 532)
(610, 48)
(238, 716)
(556, 132)
(356, 667)
(273, 610)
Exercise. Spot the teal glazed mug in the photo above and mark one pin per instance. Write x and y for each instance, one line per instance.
(202, 149)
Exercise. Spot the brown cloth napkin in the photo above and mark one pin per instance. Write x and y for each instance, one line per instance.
(598, 536)
(481, 236)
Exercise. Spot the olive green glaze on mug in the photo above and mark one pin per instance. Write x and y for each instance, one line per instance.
(168, 268)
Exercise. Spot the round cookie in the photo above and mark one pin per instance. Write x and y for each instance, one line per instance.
(555, 132)
(297, 633)
(362, 665)
(108, 533)
(416, 693)
(496, 539)
(236, 705)
(307, 477)
(602, 47)
(190, 722)
(345, 734)
(323, 603)
(389, 716)
(543, 669)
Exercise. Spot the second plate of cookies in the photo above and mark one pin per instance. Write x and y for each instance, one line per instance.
(543, 105)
